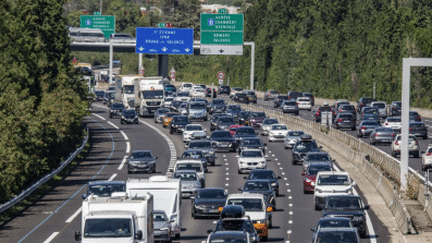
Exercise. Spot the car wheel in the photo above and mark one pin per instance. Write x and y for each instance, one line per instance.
(277, 193)
(171, 131)
(362, 234)
(155, 121)
(121, 121)
(294, 162)
(163, 126)
(353, 129)
(264, 238)
(154, 169)
(317, 207)
(417, 154)
(239, 171)
(359, 135)
(285, 147)
(425, 137)
(177, 236)
(136, 122)
(110, 116)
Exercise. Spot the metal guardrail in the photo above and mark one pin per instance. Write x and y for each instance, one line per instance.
(28, 191)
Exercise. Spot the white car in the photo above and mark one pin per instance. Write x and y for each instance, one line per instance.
(251, 159)
(278, 132)
(427, 158)
(183, 96)
(168, 101)
(413, 146)
(197, 91)
(393, 122)
(330, 183)
(304, 103)
(186, 87)
(291, 138)
(190, 129)
(235, 91)
(382, 108)
(183, 109)
(195, 165)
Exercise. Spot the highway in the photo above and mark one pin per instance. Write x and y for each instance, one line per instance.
(56, 216)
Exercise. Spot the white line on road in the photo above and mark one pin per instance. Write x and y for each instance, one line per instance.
(52, 236)
(99, 116)
(122, 164)
(112, 177)
(124, 135)
(127, 147)
(71, 218)
(112, 124)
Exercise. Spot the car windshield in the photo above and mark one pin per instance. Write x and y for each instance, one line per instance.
(159, 217)
(306, 145)
(384, 129)
(221, 135)
(394, 119)
(187, 85)
(249, 204)
(379, 105)
(370, 110)
(270, 121)
(182, 94)
(251, 142)
(224, 239)
(192, 154)
(257, 186)
(105, 190)
(180, 119)
(245, 131)
(200, 144)
(370, 123)
(117, 106)
(128, 89)
(162, 111)
(237, 89)
(397, 104)
(347, 108)
(337, 236)
(326, 180)
(194, 128)
(183, 105)
(205, 194)
(262, 175)
(313, 170)
(233, 108)
(338, 202)
(243, 114)
(346, 116)
(318, 157)
(184, 176)
(258, 115)
(410, 138)
(218, 102)
(235, 225)
(129, 112)
(170, 114)
(153, 94)
(334, 223)
(189, 166)
(141, 154)
(226, 120)
(251, 154)
(279, 127)
(108, 227)
(282, 97)
(325, 108)
(250, 93)
(413, 113)
(169, 99)
(274, 92)
(290, 102)
(416, 125)
(295, 133)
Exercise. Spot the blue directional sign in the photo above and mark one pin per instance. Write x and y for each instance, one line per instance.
(164, 41)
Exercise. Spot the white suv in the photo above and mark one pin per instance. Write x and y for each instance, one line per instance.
(427, 158)
(189, 131)
(413, 146)
(330, 183)
(186, 87)
(251, 159)
(278, 132)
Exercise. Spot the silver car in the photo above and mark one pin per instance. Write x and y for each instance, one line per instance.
(159, 114)
(266, 125)
(190, 182)
(382, 135)
(183, 109)
(162, 226)
(366, 127)
(382, 108)
(291, 138)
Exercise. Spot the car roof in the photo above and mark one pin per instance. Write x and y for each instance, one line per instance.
(338, 229)
(106, 182)
(135, 151)
(245, 195)
(333, 173)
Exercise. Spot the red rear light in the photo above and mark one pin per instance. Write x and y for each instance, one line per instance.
(410, 128)
(393, 135)
(428, 154)
(340, 110)
(416, 142)
(386, 124)
(361, 104)
(419, 117)
(362, 128)
(339, 120)
(397, 142)
(376, 135)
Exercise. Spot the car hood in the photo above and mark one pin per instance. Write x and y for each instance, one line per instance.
(344, 211)
(251, 146)
(249, 159)
(161, 224)
(256, 215)
(223, 139)
(213, 201)
(142, 159)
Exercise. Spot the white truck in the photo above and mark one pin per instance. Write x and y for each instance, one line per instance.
(167, 196)
(149, 95)
(118, 218)
(124, 89)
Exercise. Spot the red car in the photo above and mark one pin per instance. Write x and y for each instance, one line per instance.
(309, 176)
(233, 128)
(317, 115)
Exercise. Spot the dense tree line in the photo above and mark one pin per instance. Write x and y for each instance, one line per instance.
(42, 98)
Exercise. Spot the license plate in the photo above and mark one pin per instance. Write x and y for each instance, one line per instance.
(387, 140)
(213, 211)
(241, 99)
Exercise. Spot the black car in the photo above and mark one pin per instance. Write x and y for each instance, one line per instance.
(251, 96)
(364, 101)
(279, 99)
(265, 174)
(261, 187)
(237, 224)
(347, 109)
(99, 94)
(141, 160)
(345, 120)
(293, 95)
(303, 146)
(208, 202)
(216, 105)
(224, 122)
(244, 132)
(395, 108)
(243, 117)
(195, 154)
(205, 146)
(223, 140)
(224, 89)
(178, 124)
(256, 118)
(215, 119)
(170, 88)
(414, 116)
(228, 236)
(104, 188)
(241, 97)
(251, 143)
(129, 116)
(349, 206)
(418, 129)
(116, 109)
(233, 110)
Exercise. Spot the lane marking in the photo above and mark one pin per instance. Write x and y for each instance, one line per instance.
(226, 168)
(227, 179)
(224, 155)
(226, 184)
(290, 221)
(99, 116)
(71, 218)
(290, 205)
(226, 163)
(289, 197)
(124, 135)
(227, 173)
(128, 147)
(122, 163)
(52, 236)
(112, 124)
(112, 177)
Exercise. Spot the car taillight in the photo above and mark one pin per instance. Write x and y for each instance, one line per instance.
(419, 117)
(362, 128)
(416, 142)
(397, 142)
(340, 110)
(376, 135)
(428, 154)
(410, 128)
(386, 124)
(339, 120)
(393, 135)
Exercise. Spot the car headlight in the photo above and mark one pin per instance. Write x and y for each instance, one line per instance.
(273, 184)
(319, 190)
(241, 162)
(211, 152)
(200, 207)
(357, 218)
(175, 125)
(253, 238)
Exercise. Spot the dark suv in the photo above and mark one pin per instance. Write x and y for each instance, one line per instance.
(364, 101)
(303, 146)
(348, 206)
(178, 123)
(345, 120)
(224, 123)
(224, 89)
(256, 118)
(116, 109)
(293, 95)
(279, 100)
(216, 105)
(223, 140)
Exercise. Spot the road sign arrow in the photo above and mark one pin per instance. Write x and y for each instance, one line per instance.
(187, 49)
(141, 48)
(164, 49)
(221, 50)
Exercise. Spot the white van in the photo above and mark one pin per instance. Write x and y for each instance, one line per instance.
(166, 196)
(186, 87)
(86, 35)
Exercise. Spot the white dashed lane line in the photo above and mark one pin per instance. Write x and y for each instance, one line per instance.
(128, 147)
(71, 218)
(112, 124)
(124, 135)
(112, 177)
(122, 164)
(99, 116)
(52, 236)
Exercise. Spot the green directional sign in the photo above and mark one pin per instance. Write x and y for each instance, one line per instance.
(221, 38)
(222, 22)
(102, 22)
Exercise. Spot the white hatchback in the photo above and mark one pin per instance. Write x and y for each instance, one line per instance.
(427, 158)
(190, 129)
(278, 132)
(330, 183)
(304, 103)
(393, 122)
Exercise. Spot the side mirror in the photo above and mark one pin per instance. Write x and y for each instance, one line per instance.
(139, 235)
(237, 156)
(84, 196)
(205, 129)
(303, 173)
(313, 229)
(240, 189)
(208, 232)
(279, 177)
(354, 183)
(320, 147)
(186, 146)
(192, 198)
(366, 207)
(245, 177)
(156, 157)
(77, 235)
(257, 133)
(208, 137)
(333, 160)
(172, 220)
(265, 144)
